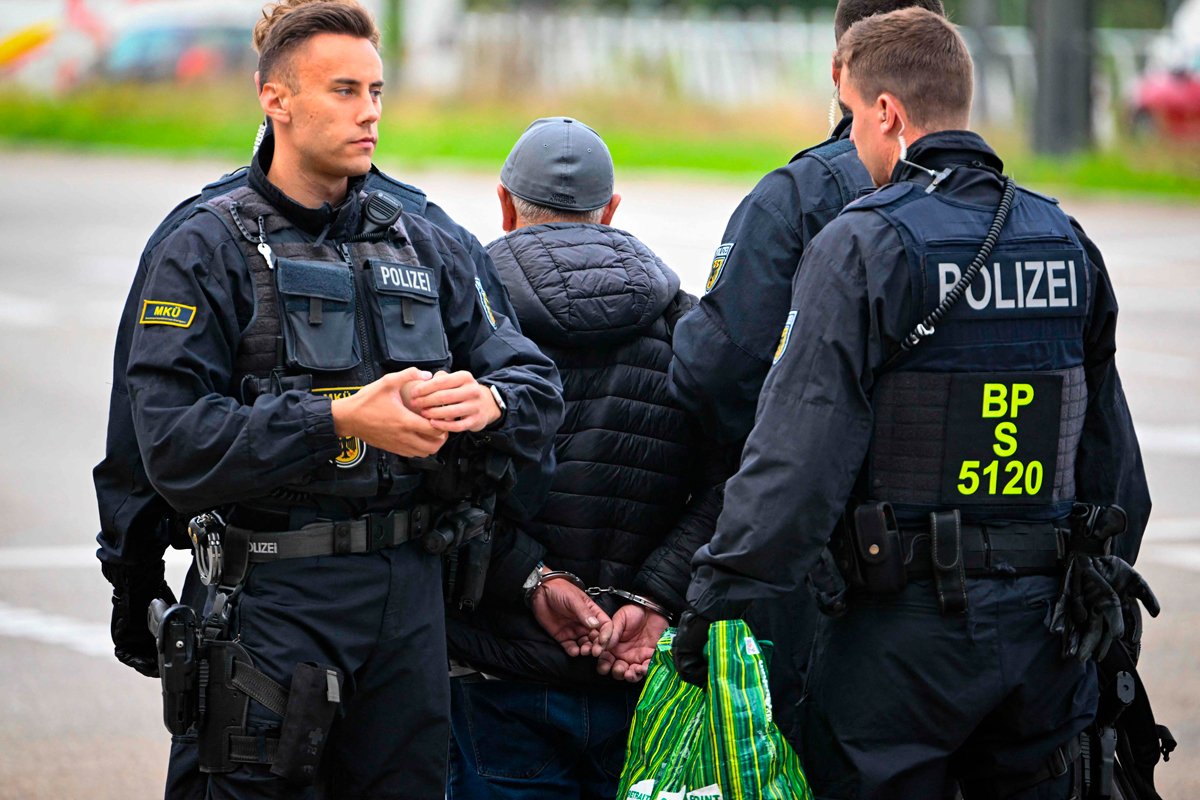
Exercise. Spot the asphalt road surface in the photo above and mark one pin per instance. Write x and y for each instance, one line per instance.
(76, 724)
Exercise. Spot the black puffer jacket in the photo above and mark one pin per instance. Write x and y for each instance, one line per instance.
(632, 496)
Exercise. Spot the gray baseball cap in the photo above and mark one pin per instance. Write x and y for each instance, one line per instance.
(560, 163)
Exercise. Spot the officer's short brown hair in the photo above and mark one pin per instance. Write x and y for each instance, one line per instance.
(918, 57)
(851, 11)
(288, 24)
(273, 12)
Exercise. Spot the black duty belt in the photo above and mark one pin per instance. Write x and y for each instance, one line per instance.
(1033, 548)
(365, 534)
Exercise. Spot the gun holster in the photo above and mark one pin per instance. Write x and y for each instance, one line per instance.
(307, 711)
(176, 636)
(224, 707)
(472, 571)
(208, 682)
(455, 527)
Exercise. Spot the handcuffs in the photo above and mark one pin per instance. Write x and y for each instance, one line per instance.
(537, 578)
(205, 531)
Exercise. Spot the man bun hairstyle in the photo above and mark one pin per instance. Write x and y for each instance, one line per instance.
(918, 57)
(288, 24)
(851, 11)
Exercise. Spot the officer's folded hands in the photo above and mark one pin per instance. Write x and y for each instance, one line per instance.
(453, 402)
(378, 415)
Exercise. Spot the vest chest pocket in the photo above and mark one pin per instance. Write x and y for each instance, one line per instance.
(407, 315)
(318, 314)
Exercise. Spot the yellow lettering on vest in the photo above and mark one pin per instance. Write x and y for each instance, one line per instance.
(1022, 395)
(995, 400)
(1006, 439)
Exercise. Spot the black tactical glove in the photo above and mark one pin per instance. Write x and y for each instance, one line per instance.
(688, 648)
(134, 586)
(1127, 583)
(1098, 593)
(1099, 590)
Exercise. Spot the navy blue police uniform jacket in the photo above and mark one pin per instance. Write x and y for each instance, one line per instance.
(723, 347)
(854, 300)
(136, 522)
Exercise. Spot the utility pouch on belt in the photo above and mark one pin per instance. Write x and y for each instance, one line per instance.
(877, 546)
(229, 681)
(946, 551)
(311, 705)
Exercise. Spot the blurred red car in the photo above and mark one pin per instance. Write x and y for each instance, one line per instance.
(1167, 102)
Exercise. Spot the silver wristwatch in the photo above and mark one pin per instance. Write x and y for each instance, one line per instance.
(499, 398)
(537, 578)
(532, 581)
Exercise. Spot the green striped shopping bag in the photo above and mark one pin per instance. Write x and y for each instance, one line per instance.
(721, 744)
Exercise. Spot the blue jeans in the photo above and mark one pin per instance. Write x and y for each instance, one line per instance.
(530, 740)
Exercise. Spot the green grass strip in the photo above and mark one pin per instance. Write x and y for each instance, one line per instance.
(643, 134)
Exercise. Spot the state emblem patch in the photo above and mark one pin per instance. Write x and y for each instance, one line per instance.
(487, 304)
(718, 266)
(353, 450)
(784, 338)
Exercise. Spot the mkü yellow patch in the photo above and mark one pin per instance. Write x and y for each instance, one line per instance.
(160, 312)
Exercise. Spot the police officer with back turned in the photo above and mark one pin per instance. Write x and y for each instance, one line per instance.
(724, 347)
(302, 350)
(946, 379)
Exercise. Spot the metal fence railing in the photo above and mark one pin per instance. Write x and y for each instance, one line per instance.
(730, 59)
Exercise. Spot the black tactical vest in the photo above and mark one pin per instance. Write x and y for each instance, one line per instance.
(986, 414)
(840, 157)
(330, 318)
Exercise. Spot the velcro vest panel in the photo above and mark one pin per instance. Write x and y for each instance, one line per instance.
(921, 460)
(313, 285)
(986, 414)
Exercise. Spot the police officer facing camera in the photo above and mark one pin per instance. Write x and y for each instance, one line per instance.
(136, 523)
(946, 369)
(295, 352)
